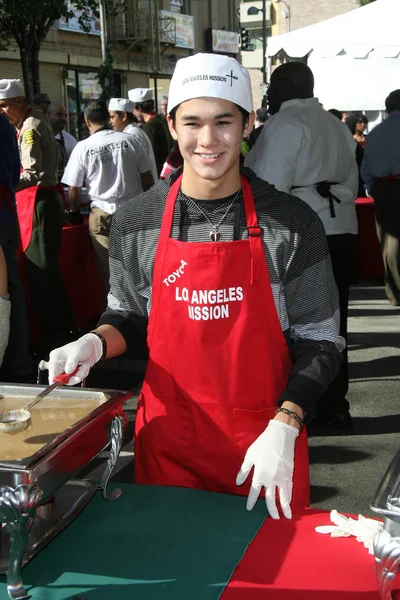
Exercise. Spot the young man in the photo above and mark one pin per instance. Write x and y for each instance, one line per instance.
(114, 168)
(154, 125)
(122, 119)
(234, 281)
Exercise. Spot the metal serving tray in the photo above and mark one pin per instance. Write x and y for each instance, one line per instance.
(387, 541)
(27, 484)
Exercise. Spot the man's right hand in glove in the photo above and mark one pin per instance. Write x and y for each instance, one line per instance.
(84, 353)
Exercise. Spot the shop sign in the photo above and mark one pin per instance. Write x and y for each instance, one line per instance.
(226, 42)
(176, 3)
(184, 27)
(72, 24)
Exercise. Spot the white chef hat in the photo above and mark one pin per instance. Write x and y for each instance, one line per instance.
(121, 105)
(210, 76)
(11, 88)
(139, 95)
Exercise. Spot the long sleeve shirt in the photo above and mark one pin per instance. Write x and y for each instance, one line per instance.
(382, 150)
(297, 255)
(303, 145)
(38, 151)
(9, 169)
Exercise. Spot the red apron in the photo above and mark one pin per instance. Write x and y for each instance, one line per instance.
(218, 362)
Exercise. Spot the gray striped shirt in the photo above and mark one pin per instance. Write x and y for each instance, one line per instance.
(297, 255)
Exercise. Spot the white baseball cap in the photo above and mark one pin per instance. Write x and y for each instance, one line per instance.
(139, 95)
(121, 105)
(11, 88)
(210, 76)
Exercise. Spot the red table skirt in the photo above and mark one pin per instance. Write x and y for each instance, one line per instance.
(369, 264)
(79, 271)
(289, 560)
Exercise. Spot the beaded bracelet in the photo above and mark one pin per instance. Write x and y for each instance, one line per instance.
(290, 413)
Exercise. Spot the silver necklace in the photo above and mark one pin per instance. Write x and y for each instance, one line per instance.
(215, 234)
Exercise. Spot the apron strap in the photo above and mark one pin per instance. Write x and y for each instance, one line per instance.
(254, 232)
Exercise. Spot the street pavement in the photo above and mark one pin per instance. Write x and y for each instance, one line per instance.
(345, 469)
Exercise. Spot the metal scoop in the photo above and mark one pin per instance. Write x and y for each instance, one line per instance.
(14, 421)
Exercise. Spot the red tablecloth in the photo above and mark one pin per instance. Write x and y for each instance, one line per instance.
(288, 560)
(79, 271)
(369, 264)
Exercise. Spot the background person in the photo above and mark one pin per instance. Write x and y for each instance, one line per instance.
(41, 101)
(357, 124)
(122, 119)
(305, 150)
(16, 364)
(57, 116)
(108, 162)
(199, 263)
(154, 125)
(381, 172)
(164, 105)
(40, 214)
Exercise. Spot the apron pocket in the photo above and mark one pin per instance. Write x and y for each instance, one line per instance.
(249, 424)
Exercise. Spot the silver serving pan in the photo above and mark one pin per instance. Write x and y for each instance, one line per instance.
(67, 453)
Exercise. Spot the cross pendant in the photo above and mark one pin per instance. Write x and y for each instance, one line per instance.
(215, 235)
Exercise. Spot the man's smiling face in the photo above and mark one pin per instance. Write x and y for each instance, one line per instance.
(210, 133)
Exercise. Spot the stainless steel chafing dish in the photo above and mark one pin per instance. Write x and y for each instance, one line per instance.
(38, 496)
(387, 541)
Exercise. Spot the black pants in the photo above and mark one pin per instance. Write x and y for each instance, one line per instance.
(51, 304)
(387, 216)
(342, 251)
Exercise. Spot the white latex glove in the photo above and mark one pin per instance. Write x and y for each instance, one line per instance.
(364, 529)
(272, 456)
(84, 352)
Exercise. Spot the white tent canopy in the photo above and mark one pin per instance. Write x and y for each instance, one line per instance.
(355, 57)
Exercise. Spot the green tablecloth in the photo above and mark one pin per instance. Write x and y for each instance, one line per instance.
(152, 543)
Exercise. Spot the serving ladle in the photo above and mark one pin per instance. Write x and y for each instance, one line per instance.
(14, 421)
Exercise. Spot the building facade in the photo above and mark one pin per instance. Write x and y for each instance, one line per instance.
(146, 40)
(282, 17)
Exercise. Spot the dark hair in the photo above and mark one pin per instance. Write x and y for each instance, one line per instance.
(262, 114)
(97, 112)
(245, 114)
(41, 97)
(146, 107)
(353, 120)
(336, 113)
(392, 102)
(131, 116)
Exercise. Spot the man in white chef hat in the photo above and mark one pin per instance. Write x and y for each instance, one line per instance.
(233, 281)
(122, 119)
(154, 124)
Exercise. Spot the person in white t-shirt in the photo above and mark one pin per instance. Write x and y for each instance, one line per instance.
(123, 119)
(57, 116)
(108, 163)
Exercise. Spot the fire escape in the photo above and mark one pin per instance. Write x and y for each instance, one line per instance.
(141, 26)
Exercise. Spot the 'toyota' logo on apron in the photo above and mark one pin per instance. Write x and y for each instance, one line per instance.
(176, 274)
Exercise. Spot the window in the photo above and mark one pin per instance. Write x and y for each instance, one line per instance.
(83, 86)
